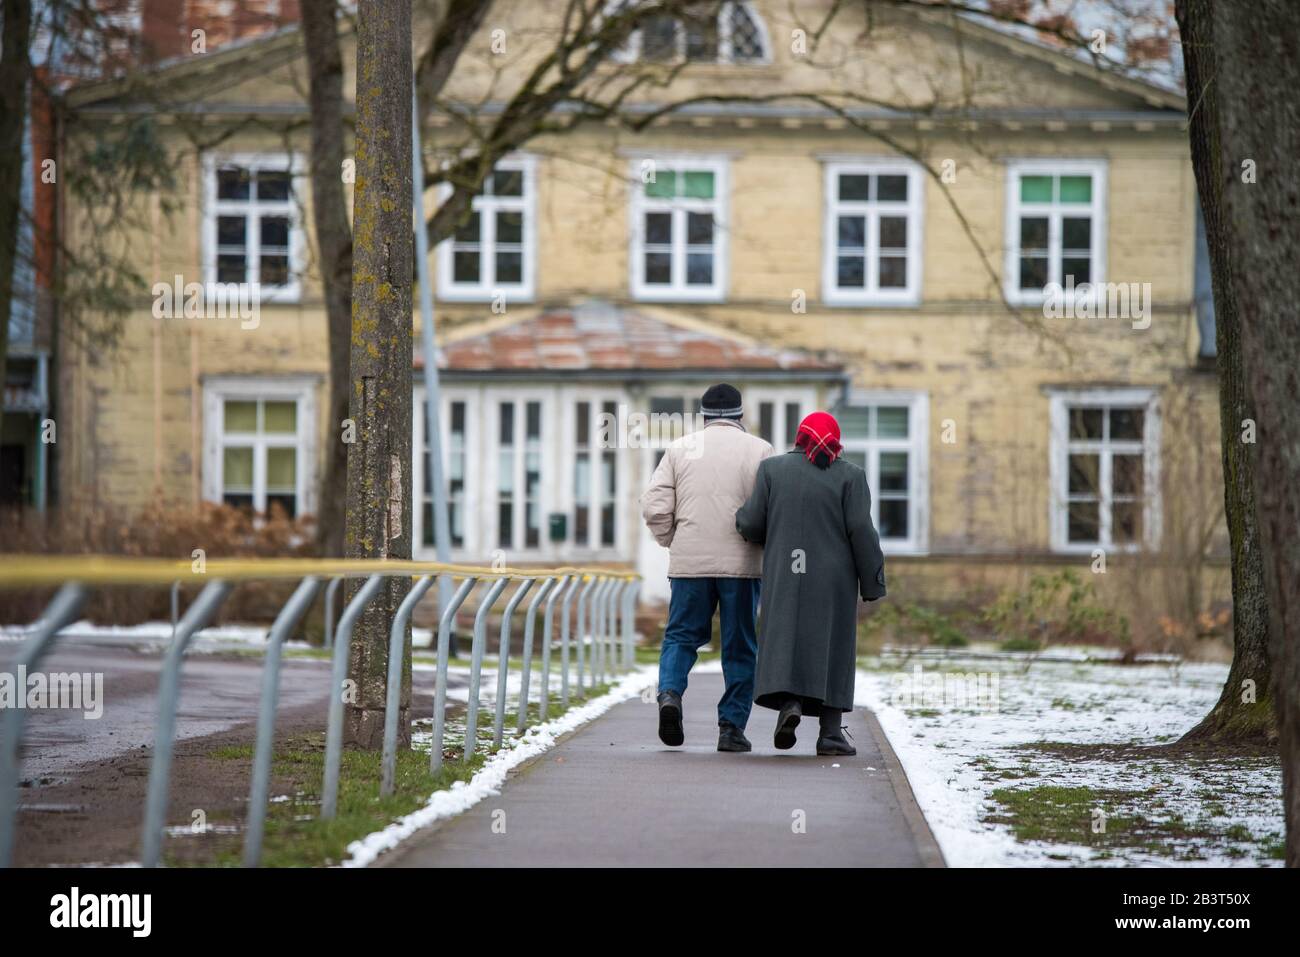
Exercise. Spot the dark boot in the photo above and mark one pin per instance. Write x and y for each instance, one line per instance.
(670, 719)
(786, 722)
(731, 738)
(833, 741)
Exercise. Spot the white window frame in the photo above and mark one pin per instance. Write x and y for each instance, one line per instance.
(914, 211)
(917, 445)
(594, 548)
(631, 51)
(780, 397)
(1017, 168)
(213, 207)
(473, 469)
(679, 290)
(520, 399)
(1061, 445)
(487, 288)
(217, 390)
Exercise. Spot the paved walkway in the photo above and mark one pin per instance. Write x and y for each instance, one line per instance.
(613, 795)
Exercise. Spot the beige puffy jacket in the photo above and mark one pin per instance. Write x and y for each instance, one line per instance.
(690, 506)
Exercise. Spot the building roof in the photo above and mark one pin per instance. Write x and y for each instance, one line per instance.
(597, 337)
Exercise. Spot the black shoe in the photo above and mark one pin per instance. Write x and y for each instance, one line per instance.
(670, 719)
(836, 745)
(786, 722)
(731, 738)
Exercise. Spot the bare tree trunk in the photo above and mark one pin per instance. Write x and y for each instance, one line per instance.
(15, 72)
(379, 464)
(1245, 708)
(334, 241)
(1257, 71)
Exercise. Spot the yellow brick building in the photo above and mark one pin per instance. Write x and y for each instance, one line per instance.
(884, 256)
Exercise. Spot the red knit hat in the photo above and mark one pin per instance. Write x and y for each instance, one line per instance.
(818, 434)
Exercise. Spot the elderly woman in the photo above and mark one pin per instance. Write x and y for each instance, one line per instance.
(811, 512)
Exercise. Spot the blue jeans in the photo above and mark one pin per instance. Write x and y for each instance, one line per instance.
(690, 626)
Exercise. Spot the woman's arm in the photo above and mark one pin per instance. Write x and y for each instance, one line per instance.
(751, 518)
(868, 559)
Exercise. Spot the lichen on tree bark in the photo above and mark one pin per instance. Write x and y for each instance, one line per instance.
(378, 494)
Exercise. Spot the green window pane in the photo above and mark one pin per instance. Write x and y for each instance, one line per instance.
(893, 472)
(1035, 189)
(281, 418)
(663, 186)
(241, 416)
(281, 470)
(1076, 189)
(237, 469)
(698, 184)
(891, 422)
(855, 421)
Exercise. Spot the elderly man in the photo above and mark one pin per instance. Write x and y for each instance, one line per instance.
(690, 508)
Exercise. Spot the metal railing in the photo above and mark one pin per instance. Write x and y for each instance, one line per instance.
(606, 601)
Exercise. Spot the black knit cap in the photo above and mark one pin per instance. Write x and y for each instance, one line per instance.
(721, 401)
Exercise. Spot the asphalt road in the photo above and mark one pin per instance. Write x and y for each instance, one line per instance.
(613, 795)
(217, 694)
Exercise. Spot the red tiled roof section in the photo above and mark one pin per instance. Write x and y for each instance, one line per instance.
(608, 338)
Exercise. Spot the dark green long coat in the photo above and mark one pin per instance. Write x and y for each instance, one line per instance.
(820, 552)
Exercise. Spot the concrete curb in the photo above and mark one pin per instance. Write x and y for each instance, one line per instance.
(926, 845)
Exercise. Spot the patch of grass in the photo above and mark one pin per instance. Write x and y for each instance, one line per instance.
(1107, 819)
(233, 752)
(1020, 644)
(295, 836)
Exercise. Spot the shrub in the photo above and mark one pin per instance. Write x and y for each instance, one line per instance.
(1056, 607)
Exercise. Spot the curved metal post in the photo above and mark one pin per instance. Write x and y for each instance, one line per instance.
(289, 616)
(615, 655)
(440, 686)
(476, 665)
(169, 682)
(629, 624)
(597, 629)
(544, 702)
(59, 613)
(331, 590)
(176, 605)
(338, 676)
(503, 659)
(583, 627)
(526, 674)
(564, 640)
(393, 690)
(607, 624)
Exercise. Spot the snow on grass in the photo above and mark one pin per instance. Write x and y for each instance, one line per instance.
(1022, 774)
(463, 795)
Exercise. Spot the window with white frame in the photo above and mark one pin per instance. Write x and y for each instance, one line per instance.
(595, 478)
(519, 504)
(258, 444)
(777, 421)
(1056, 227)
(251, 230)
(453, 424)
(494, 250)
(886, 435)
(736, 35)
(678, 229)
(1105, 470)
(872, 238)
